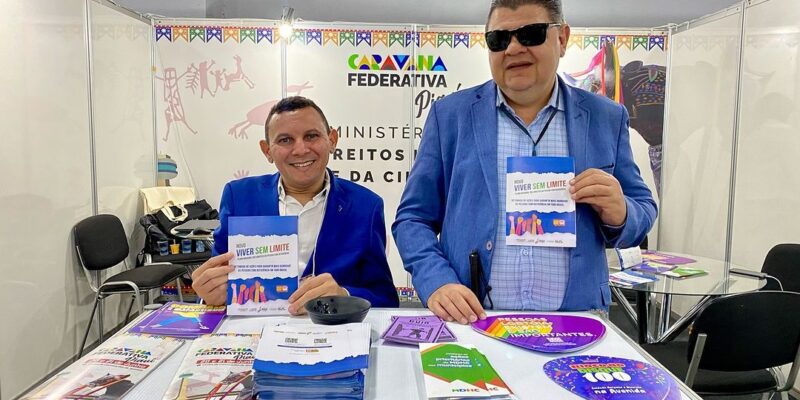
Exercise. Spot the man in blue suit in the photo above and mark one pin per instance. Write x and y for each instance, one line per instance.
(453, 207)
(341, 230)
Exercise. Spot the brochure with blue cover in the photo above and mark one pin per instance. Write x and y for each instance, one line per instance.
(539, 208)
(265, 260)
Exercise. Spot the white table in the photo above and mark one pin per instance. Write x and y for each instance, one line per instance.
(395, 371)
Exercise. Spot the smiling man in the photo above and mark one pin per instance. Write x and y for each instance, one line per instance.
(341, 227)
(453, 211)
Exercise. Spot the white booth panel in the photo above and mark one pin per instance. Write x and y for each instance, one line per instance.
(122, 94)
(766, 200)
(45, 186)
(701, 104)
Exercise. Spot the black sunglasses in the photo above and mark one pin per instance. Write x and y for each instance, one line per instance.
(528, 35)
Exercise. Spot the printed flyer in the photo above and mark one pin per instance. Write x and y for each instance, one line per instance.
(109, 371)
(548, 333)
(265, 260)
(539, 209)
(217, 366)
(184, 320)
(313, 350)
(458, 370)
(599, 377)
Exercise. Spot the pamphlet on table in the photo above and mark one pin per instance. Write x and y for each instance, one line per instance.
(184, 320)
(418, 329)
(109, 371)
(265, 260)
(548, 333)
(539, 208)
(312, 361)
(631, 278)
(685, 272)
(460, 371)
(653, 267)
(599, 377)
(217, 366)
(665, 258)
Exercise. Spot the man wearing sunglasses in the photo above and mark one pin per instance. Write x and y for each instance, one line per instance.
(451, 222)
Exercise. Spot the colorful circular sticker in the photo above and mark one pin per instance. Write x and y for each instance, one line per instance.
(599, 377)
(543, 332)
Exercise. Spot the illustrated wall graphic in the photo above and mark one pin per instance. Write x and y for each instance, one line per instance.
(258, 115)
(198, 77)
(639, 87)
(172, 96)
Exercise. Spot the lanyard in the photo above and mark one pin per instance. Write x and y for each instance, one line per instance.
(524, 129)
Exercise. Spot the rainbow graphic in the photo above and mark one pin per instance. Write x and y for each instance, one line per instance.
(505, 327)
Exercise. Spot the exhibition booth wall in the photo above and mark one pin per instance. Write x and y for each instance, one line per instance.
(96, 94)
(217, 79)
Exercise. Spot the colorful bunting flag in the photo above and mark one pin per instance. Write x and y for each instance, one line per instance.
(380, 37)
(231, 33)
(444, 38)
(461, 38)
(164, 32)
(213, 32)
(347, 36)
(364, 37)
(314, 36)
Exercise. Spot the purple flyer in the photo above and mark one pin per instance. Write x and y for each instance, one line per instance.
(548, 333)
(599, 377)
(663, 258)
(445, 335)
(184, 320)
(414, 330)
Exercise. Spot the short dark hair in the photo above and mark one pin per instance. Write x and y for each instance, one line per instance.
(553, 8)
(293, 103)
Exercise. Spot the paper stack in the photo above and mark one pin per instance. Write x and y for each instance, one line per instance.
(312, 361)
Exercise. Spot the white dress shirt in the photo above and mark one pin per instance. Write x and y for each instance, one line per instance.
(309, 220)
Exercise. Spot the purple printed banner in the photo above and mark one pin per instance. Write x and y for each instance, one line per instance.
(543, 332)
(663, 258)
(599, 377)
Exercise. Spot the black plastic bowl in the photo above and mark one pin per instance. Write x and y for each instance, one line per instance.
(335, 310)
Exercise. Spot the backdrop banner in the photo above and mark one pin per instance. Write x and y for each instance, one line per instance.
(217, 80)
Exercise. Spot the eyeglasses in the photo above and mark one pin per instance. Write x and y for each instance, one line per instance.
(528, 35)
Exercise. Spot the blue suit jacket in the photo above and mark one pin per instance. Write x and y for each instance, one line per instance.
(352, 241)
(449, 206)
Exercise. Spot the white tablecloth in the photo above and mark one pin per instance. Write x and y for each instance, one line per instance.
(395, 371)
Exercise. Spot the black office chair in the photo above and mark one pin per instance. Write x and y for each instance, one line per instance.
(101, 244)
(736, 345)
(782, 264)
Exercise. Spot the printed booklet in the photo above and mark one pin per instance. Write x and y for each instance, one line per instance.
(109, 371)
(458, 370)
(265, 260)
(217, 366)
(539, 208)
(183, 320)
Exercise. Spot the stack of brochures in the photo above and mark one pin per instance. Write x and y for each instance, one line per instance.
(312, 361)
(420, 329)
(217, 366)
(182, 320)
(457, 370)
(109, 371)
